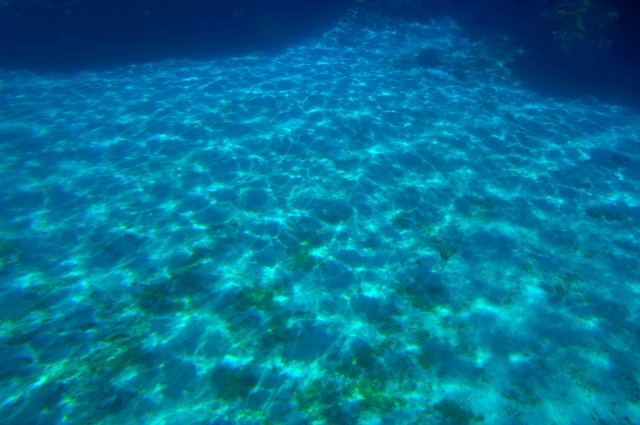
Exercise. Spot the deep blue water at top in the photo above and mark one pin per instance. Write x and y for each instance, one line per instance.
(331, 235)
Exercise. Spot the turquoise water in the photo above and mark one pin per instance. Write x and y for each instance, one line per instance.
(328, 235)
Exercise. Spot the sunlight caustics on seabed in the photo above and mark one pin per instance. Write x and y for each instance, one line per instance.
(329, 235)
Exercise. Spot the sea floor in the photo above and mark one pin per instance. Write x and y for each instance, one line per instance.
(327, 235)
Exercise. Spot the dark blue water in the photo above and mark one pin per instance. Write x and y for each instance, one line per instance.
(329, 235)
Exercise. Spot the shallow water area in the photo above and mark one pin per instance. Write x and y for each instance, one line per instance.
(330, 235)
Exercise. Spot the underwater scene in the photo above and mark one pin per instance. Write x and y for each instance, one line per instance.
(376, 225)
